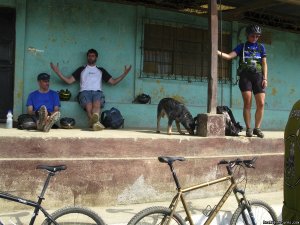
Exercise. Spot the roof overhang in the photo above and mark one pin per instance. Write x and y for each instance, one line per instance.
(278, 14)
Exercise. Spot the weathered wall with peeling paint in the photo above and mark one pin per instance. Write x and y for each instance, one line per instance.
(62, 31)
(123, 168)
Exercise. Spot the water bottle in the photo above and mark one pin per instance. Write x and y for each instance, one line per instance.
(9, 120)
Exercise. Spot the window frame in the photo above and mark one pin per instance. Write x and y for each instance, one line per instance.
(227, 78)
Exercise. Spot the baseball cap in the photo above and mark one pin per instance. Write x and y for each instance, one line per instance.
(43, 76)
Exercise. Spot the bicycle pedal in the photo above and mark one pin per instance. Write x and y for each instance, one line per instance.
(206, 211)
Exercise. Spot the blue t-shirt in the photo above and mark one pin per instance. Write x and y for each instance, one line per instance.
(50, 99)
(252, 51)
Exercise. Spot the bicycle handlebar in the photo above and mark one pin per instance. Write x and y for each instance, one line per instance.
(248, 163)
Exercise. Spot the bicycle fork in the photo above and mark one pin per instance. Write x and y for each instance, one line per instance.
(244, 202)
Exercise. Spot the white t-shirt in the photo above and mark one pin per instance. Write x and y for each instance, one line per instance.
(91, 77)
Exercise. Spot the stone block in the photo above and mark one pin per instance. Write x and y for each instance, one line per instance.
(210, 125)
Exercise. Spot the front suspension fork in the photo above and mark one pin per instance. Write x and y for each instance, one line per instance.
(243, 202)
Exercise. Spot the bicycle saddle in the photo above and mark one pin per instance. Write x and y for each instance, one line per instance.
(170, 159)
(52, 168)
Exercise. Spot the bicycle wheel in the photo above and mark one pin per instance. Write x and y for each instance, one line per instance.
(156, 215)
(262, 213)
(75, 215)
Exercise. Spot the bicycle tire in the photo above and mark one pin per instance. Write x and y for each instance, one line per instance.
(154, 215)
(75, 215)
(262, 213)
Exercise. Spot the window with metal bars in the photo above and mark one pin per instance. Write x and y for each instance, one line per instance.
(180, 53)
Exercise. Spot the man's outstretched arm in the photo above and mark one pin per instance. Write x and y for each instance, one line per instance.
(68, 80)
(114, 81)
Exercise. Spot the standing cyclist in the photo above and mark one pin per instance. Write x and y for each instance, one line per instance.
(253, 72)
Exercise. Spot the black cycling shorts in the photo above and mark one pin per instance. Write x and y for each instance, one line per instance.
(251, 82)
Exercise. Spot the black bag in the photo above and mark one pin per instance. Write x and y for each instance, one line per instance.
(112, 118)
(232, 128)
(26, 122)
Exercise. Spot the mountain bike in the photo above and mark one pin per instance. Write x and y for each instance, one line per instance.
(248, 212)
(67, 215)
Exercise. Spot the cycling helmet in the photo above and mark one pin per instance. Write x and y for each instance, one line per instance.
(64, 95)
(253, 29)
(67, 123)
(142, 99)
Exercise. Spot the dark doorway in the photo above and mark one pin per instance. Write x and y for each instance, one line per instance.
(7, 60)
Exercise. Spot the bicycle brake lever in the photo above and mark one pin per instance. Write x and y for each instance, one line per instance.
(249, 165)
(252, 166)
(253, 160)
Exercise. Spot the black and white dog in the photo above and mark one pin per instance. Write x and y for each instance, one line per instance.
(175, 110)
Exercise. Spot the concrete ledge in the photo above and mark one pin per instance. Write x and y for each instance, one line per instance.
(144, 115)
(120, 166)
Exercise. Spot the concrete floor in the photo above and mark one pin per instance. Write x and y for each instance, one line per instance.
(121, 214)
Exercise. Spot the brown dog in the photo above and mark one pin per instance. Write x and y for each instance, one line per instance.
(175, 111)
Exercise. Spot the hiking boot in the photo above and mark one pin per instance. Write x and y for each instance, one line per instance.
(94, 119)
(258, 132)
(98, 126)
(51, 121)
(249, 132)
(43, 114)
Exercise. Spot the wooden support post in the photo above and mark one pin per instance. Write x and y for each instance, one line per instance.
(213, 68)
(212, 124)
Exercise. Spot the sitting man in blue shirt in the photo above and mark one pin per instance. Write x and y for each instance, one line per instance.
(44, 103)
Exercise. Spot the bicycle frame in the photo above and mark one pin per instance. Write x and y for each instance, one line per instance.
(180, 197)
(36, 205)
(242, 201)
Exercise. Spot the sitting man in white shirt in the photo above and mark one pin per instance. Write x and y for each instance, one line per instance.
(90, 78)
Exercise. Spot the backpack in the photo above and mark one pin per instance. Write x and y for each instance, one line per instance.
(112, 118)
(232, 128)
(26, 122)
